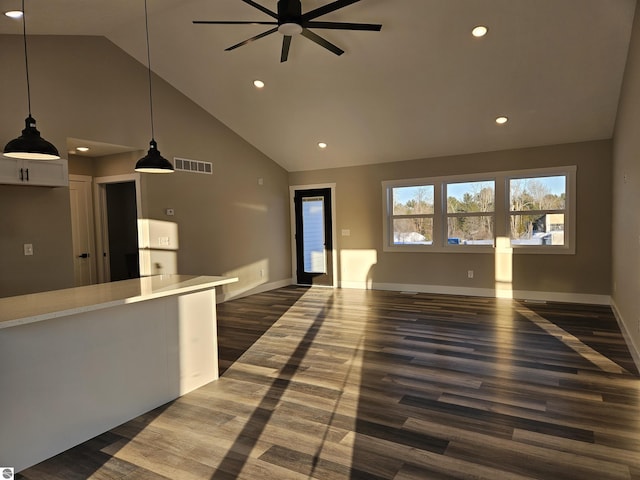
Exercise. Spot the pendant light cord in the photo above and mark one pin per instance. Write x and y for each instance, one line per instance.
(26, 59)
(146, 24)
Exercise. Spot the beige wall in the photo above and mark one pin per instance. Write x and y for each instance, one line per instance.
(39, 216)
(359, 209)
(626, 196)
(86, 87)
(228, 224)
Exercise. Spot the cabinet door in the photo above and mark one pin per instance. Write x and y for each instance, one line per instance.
(10, 170)
(50, 173)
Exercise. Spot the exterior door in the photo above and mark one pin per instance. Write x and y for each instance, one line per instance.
(313, 236)
(82, 228)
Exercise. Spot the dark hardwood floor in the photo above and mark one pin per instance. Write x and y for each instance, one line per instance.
(350, 384)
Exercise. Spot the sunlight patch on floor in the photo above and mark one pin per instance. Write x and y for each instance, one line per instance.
(588, 353)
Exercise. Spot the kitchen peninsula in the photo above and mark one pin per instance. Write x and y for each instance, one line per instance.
(76, 362)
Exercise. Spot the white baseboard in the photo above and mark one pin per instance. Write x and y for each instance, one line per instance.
(484, 292)
(628, 338)
(568, 297)
(263, 287)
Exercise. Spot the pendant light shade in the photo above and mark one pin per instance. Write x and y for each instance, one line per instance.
(153, 162)
(30, 145)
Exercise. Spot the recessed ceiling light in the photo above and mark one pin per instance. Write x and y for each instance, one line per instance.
(14, 14)
(479, 31)
(82, 149)
(258, 83)
(501, 120)
(322, 145)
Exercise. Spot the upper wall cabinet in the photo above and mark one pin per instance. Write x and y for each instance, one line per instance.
(45, 173)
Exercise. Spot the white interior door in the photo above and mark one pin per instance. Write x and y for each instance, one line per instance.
(82, 228)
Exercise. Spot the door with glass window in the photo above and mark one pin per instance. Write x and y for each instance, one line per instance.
(314, 242)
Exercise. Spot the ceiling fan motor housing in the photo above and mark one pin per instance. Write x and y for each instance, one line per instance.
(289, 11)
(289, 17)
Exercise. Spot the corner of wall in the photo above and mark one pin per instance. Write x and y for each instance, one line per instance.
(628, 338)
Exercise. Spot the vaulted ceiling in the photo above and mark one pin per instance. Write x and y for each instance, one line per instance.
(421, 87)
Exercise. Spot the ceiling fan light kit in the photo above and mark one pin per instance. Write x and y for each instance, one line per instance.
(290, 29)
(290, 21)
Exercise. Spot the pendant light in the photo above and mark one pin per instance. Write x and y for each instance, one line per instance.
(30, 145)
(153, 162)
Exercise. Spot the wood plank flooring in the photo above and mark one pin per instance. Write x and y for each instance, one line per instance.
(349, 384)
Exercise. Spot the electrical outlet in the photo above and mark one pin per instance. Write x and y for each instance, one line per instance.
(469, 273)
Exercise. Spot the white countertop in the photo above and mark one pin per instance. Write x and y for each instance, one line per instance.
(36, 307)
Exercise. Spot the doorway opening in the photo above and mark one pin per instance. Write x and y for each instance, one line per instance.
(117, 213)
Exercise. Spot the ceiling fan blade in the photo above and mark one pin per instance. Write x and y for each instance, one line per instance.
(331, 7)
(344, 26)
(225, 22)
(261, 8)
(321, 41)
(264, 34)
(286, 43)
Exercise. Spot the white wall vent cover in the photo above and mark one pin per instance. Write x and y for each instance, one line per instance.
(193, 166)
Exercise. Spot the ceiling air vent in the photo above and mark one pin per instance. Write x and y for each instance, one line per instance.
(193, 166)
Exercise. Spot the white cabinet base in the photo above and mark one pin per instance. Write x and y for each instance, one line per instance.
(68, 379)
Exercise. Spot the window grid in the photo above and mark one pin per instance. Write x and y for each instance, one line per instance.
(418, 212)
(470, 212)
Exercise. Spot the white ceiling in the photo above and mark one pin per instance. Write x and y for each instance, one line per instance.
(422, 87)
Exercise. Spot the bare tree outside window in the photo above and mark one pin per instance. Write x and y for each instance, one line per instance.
(537, 207)
(413, 214)
(470, 208)
(534, 209)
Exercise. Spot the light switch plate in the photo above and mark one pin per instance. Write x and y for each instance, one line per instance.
(28, 249)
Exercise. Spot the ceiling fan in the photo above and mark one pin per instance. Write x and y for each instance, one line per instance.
(291, 21)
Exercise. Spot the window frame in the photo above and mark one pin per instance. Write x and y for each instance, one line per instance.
(447, 215)
(569, 210)
(501, 213)
(393, 216)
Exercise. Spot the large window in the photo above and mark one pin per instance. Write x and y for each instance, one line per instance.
(412, 216)
(537, 210)
(470, 213)
(533, 209)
